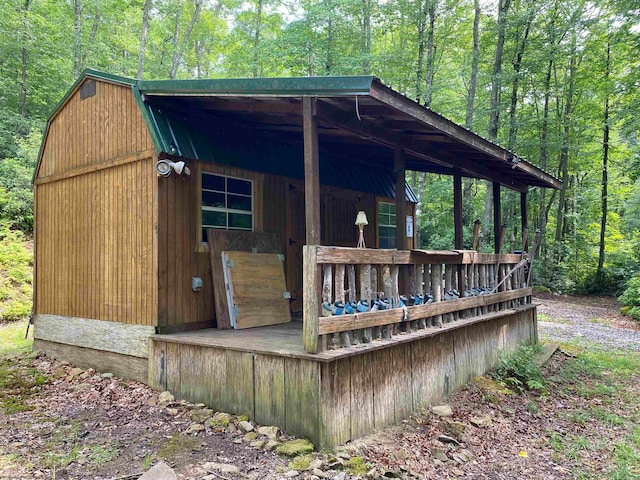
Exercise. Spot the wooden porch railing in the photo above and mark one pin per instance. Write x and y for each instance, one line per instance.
(338, 274)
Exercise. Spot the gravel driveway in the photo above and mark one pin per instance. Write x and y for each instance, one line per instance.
(592, 320)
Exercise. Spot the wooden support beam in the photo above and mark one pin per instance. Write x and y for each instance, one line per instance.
(432, 119)
(524, 221)
(311, 171)
(497, 216)
(425, 150)
(310, 304)
(457, 211)
(402, 242)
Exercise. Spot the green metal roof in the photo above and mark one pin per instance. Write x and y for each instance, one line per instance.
(294, 86)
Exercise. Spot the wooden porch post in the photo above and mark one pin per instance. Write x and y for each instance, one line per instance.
(497, 216)
(524, 220)
(311, 171)
(457, 225)
(399, 166)
(311, 283)
(402, 243)
(457, 210)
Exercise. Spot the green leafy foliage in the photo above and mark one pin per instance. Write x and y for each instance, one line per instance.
(15, 275)
(519, 371)
(631, 298)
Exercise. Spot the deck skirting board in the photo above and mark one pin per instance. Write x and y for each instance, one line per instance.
(334, 402)
(123, 366)
(115, 337)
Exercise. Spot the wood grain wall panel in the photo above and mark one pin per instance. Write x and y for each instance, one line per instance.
(90, 131)
(91, 262)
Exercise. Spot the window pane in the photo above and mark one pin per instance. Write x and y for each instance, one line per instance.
(213, 199)
(214, 219)
(387, 242)
(392, 219)
(212, 182)
(387, 232)
(235, 185)
(240, 221)
(236, 202)
(392, 208)
(384, 207)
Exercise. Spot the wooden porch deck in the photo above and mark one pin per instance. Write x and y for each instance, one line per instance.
(285, 340)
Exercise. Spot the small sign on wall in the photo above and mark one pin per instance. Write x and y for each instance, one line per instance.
(409, 226)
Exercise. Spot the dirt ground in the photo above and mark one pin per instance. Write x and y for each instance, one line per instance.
(64, 423)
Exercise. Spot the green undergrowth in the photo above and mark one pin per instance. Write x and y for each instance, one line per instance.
(18, 379)
(16, 264)
(519, 371)
(606, 425)
(12, 341)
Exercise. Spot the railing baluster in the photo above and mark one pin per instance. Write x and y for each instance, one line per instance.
(436, 285)
(377, 331)
(327, 287)
(386, 288)
(366, 295)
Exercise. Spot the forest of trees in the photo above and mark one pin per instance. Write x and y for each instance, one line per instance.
(554, 80)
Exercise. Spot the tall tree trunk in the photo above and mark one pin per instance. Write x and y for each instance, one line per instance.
(544, 133)
(329, 60)
(475, 57)
(496, 80)
(564, 148)
(77, 45)
(431, 50)
(471, 98)
(517, 65)
(92, 37)
(180, 47)
(494, 106)
(422, 27)
(175, 60)
(255, 70)
(143, 36)
(24, 57)
(605, 162)
(365, 27)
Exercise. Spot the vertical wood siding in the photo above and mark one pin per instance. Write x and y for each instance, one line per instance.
(95, 245)
(95, 254)
(86, 132)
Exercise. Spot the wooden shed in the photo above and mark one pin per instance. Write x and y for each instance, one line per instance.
(158, 201)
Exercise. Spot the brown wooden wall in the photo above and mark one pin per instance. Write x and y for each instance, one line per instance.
(97, 129)
(94, 196)
(94, 245)
(279, 208)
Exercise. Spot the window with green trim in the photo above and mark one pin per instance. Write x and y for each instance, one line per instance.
(386, 225)
(227, 203)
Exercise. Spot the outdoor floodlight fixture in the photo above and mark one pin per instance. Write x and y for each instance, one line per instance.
(165, 167)
(361, 221)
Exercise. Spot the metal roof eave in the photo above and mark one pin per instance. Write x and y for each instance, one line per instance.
(275, 87)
